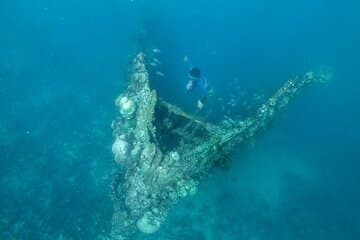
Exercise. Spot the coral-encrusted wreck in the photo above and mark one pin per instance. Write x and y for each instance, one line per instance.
(164, 152)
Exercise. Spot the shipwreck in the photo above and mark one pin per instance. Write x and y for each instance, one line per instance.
(164, 152)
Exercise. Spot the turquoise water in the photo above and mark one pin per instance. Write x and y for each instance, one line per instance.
(62, 64)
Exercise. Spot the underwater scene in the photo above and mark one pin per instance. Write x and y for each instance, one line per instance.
(179, 120)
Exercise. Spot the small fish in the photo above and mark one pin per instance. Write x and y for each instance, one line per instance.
(156, 60)
(160, 74)
(200, 105)
(156, 50)
(232, 102)
(153, 64)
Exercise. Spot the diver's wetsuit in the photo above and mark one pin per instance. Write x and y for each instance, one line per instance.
(196, 81)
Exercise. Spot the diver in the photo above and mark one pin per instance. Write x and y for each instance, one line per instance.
(197, 82)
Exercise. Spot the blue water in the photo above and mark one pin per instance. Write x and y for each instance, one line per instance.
(62, 64)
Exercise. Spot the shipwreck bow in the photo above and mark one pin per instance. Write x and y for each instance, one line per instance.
(164, 152)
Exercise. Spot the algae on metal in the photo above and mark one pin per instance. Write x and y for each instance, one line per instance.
(164, 152)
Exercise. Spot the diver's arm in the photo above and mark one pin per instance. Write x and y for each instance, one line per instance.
(188, 62)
